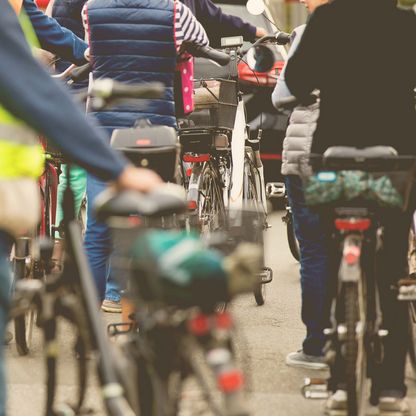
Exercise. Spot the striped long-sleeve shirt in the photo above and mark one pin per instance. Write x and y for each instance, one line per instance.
(187, 27)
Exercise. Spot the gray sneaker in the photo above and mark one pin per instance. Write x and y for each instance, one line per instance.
(336, 405)
(393, 406)
(311, 362)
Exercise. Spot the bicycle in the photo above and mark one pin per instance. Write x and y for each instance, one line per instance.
(25, 263)
(225, 170)
(71, 295)
(355, 339)
(176, 333)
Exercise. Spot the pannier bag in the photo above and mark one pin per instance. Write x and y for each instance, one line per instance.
(19, 205)
(153, 147)
(388, 189)
(175, 268)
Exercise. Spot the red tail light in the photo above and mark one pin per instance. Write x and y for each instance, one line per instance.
(352, 224)
(192, 205)
(188, 172)
(230, 381)
(224, 320)
(199, 325)
(352, 254)
(195, 159)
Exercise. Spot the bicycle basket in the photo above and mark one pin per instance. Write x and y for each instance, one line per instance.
(380, 188)
(215, 104)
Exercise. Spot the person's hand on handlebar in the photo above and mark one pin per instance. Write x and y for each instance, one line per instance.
(139, 179)
(260, 32)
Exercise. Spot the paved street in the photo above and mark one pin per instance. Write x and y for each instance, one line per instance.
(268, 334)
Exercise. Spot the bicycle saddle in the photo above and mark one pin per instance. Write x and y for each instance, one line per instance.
(167, 200)
(366, 152)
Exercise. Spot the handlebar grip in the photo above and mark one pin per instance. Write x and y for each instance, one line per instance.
(215, 55)
(282, 38)
(81, 73)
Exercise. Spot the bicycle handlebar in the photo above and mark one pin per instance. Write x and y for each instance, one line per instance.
(215, 55)
(81, 73)
(280, 38)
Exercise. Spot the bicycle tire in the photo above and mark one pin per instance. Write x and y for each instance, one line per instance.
(251, 194)
(292, 240)
(355, 365)
(412, 335)
(211, 209)
(20, 332)
(260, 294)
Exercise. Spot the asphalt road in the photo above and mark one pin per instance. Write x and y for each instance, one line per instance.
(267, 334)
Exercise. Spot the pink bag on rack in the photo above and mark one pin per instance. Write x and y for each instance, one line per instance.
(185, 68)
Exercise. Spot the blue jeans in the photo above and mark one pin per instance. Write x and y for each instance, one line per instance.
(314, 266)
(98, 245)
(5, 286)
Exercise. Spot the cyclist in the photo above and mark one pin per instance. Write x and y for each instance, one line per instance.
(308, 228)
(218, 24)
(68, 14)
(53, 37)
(31, 97)
(360, 107)
(132, 47)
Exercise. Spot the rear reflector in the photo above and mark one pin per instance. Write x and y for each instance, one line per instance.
(230, 381)
(352, 254)
(199, 325)
(143, 142)
(352, 224)
(270, 156)
(224, 320)
(195, 159)
(192, 205)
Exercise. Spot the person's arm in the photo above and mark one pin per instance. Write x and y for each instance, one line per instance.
(219, 24)
(281, 90)
(303, 68)
(53, 37)
(187, 28)
(28, 92)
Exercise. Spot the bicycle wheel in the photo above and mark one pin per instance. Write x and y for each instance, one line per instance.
(19, 271)
(412, 335)
(291, 238)
(355, 354)
(252, 200)
(211, 209)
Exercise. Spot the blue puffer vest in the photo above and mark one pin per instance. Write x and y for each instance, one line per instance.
(132, 41)
(68, 14)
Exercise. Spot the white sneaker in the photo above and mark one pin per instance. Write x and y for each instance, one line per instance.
(336, 405)
(393, 406)
(302, 360)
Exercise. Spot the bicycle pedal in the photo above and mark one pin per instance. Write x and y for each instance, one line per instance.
(114, 330)
(315, 388)
(275, 189)
(266, 275)
(407, 290)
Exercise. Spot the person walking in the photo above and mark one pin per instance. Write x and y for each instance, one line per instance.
(360, 107)
(31, 101)
(309, 229)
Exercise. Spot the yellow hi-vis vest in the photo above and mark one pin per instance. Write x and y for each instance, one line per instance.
(21, 155)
